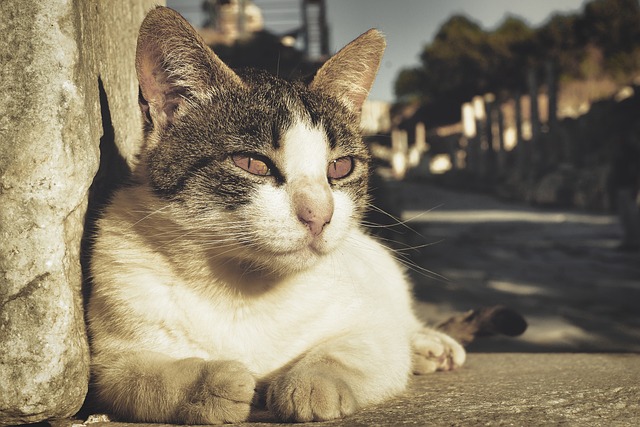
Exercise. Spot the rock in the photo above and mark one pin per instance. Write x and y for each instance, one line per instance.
(53, 55)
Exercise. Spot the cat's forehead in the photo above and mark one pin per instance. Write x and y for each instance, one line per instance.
(278, 107)
(304, 149)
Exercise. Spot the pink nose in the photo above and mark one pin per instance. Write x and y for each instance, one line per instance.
(315, 220)
(314, 207)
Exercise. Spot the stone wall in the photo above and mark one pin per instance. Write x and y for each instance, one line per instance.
(59, 58)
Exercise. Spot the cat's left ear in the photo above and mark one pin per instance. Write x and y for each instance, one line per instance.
(349, 74)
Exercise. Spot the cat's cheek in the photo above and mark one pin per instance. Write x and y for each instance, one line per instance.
(277, 228)
(341, 223)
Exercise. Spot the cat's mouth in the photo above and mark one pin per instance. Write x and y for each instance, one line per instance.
(307, 247)
(290, 256)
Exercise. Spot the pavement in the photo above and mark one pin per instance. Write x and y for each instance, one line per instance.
(561, 269)
(502, 389)
(578, 363)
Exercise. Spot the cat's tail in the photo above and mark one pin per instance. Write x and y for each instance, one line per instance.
(485, 321)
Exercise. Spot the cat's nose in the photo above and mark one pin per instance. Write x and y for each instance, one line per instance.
(315, 220)
(314, 207)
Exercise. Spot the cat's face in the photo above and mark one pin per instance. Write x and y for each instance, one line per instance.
(254, 168)
(271, 172)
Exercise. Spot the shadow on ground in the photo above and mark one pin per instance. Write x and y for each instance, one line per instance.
(560, 269)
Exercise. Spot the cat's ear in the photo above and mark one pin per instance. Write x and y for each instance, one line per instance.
(174, 64)
(349, 74)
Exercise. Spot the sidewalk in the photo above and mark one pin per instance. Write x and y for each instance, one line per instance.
(560, 269)
(506, 389)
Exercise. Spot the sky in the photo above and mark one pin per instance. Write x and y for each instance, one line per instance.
(411, 24)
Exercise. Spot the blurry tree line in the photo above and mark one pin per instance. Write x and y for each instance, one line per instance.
(464, 60)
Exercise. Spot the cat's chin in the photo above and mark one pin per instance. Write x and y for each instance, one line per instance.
(287, 261)
(294, 260)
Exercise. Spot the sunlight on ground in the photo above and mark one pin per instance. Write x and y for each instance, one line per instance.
(519, 288)
(554, 330)
(476, 216)
(455, 275)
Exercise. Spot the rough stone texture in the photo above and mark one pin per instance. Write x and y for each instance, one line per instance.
(503, 389)
(53, 54)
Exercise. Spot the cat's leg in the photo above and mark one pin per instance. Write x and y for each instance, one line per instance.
(338, 378)
(149, 387)
(435, 351)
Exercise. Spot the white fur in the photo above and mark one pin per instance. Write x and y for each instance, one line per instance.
(303, 159)
(305, 152)
(357, 292)
(170, 288)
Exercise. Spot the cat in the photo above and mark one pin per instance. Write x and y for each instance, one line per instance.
(233, 270)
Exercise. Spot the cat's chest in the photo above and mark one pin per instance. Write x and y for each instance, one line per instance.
(262, 331)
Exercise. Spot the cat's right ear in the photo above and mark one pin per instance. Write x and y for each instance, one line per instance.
(174, 64)
(349, 74)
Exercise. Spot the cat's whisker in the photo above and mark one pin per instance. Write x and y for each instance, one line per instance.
(398, 221)
(411, 248)
(230, 248)
(150, 214)
(373, 225)
(425, 272)
(423, 213)
(404, 259)
(207, 240)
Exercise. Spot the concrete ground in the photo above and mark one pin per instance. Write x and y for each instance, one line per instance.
(505, 389)
(560, 269)
(578, 364)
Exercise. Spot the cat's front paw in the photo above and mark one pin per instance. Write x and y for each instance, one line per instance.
(312, 395)
(222, 394)
(435, 351)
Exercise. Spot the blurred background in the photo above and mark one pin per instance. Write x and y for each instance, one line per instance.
(506, 139)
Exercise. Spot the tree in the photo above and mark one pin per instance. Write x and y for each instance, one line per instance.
(614, 27)
(558, 40)
(453, 68)
(457, 62)
(514, 49)
(408, 85)
(464, 60)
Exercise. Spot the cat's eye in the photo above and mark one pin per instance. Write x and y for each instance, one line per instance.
(252, 164)
(340, 168)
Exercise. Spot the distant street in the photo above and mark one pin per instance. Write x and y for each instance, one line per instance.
(560, 269)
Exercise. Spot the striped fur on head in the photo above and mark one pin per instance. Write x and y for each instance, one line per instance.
(199, 114)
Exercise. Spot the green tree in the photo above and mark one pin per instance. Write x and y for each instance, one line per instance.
(464, 60)
(453, 68)
(614, 27)
(558, 40)
(514, 48)
(410, 85)
(458, 61)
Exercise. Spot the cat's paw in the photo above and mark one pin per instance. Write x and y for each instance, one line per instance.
(222, 394)
(435, 351)
(311, 395)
